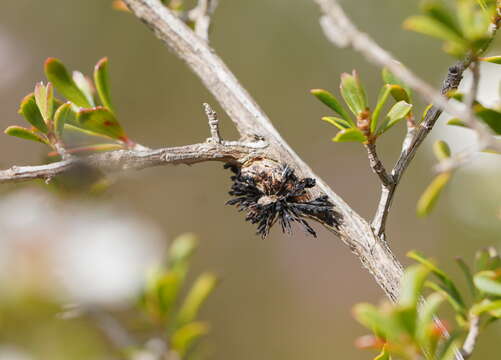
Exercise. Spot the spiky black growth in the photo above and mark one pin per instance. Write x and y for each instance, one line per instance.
(270, 193)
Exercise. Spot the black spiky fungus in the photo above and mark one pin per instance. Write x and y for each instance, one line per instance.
(269, 192)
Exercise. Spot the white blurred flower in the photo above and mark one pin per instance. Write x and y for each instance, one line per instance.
(87, 252)
(12, 353)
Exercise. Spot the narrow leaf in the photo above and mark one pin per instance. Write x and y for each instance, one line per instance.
(430, 196)
(432, 27)
(196, 297)
(384, 94)
(442, 150)
(492, 59)
(57, 74)
(457, 122)
(425, 321)
(330, 100)
(183, 339)
(341, 124)
(64, 114)
(44, 97)
(353, 93)
(26, 134)
(468, 276)
(101, 80)
(350, 135)
(491, 117)
(412, 285)
(488, 282)
(31, 113)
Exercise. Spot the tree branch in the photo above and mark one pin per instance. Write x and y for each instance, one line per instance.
(121, 160)
(377, 166)
(471, 338)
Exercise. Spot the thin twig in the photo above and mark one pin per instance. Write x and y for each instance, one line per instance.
(377, 166)
(121, 160)
(213, 124)
(201, 16)
(471, 338)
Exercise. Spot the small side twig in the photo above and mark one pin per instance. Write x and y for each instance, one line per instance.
(471, 338)
(201, 16)
(377, 166)
(213, 124)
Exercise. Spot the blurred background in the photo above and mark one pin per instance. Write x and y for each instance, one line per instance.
(282, 298)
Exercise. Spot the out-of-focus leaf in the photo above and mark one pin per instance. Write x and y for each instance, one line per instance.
(488, 282)
(430, 196)
(384, 355)
(181, 250)
(64, 114)
(438, 11)
(353, 93)
(101, 80)
(412, 285)
(442, 150)
(168, 289)
(383, 325)
(120, 5)
(196, 297)
(448, 284)
(84, 84)
(491, 306)
(330, 100)
(432, 27)
(491, 117)
(468, 276)
(450, 348)
(453, 300)
(425, 323)
(382, 99)
(31, 113)
(183, 339)
(492, 59)
(24, 133)
(341, 124)
(58, 75)
(101, 120)
(457, 122)
(487, 259)
(44, 97)
(350, 135)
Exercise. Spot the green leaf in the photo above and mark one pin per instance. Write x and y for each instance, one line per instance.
(341, 124)
(384, 355)
(85, 85)
(44, 97)
(64, 114)
(384, 325)
(182, 249)
(425, 322)
(487, 259)
(183, 339)
(457, 122)
(31, 113)
(26, 134)
(448, 284)
(450, 349)
(382, 99)
(430, 196)
(487, 306)
(491, 117)
(353, 93)
(468, 276)
(101, 120)
(398, 112)
(57, 74)
(102, 83)
(196, 297)
(442, 150)
(438, 11)
(168, 288)
(412, 285)
(350, 135)
(488, 282)
(430, 26)
(399, 90)
(492, 59)
(330, 100)
(456, 303)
